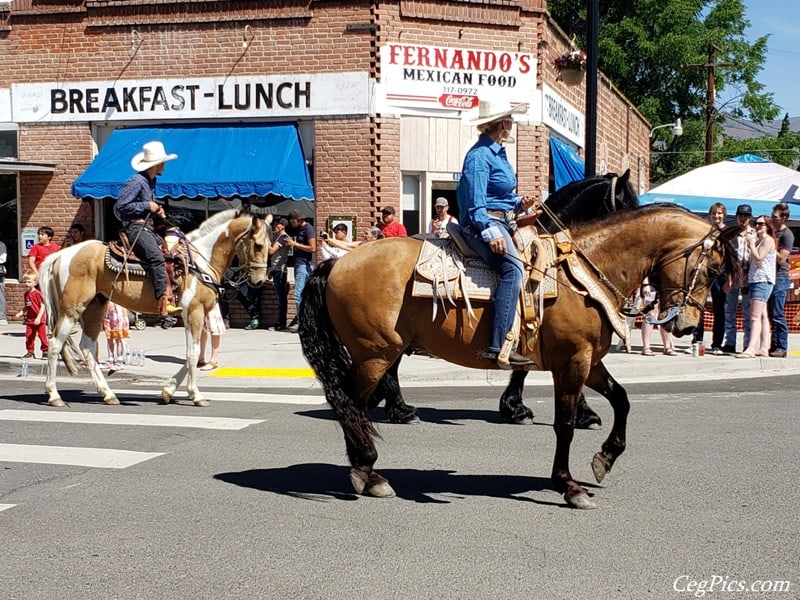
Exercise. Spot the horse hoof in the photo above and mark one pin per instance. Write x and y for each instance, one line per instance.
(166, 397)
(380, 490)
(581, 501)
(522, 421)
(57, 401)
(111, 400)
(201, 402)
(600, 467)
(359, 480)
(594, 426)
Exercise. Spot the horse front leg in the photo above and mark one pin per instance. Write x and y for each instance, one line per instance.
(396, 409)
(194, 325)
(601, 381)
(567, 392)
(512, 409)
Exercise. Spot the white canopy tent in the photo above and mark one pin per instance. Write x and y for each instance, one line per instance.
(746, 179)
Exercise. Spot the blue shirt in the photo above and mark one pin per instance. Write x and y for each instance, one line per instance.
(135, 197)
(487, 183)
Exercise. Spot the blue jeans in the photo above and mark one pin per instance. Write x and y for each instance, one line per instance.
(509, 269)
(731, 304)
(301, 273)
(776, 307)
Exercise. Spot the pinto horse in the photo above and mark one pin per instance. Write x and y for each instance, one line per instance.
(77, 285)
(576, 202)
(358, 316)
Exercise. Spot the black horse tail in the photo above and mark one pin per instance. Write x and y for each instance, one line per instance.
(329, 357)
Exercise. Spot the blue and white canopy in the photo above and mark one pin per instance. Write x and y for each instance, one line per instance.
(746, 179)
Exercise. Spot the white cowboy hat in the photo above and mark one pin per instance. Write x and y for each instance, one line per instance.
(489, 111)
(152, 154)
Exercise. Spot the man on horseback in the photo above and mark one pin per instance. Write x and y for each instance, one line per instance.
(486, 198)
(135, 208)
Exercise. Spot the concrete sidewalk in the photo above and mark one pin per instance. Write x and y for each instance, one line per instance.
(252, 360)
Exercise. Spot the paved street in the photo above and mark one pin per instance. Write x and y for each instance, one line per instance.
(249, 498)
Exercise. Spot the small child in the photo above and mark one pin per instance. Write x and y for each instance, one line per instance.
(116, 326)
(35, 323)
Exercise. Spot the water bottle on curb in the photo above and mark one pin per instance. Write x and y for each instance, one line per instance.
(23, 368)
(695, 349)
(142, 356)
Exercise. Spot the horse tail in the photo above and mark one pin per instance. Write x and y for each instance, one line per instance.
(50, 293)
(326, 353)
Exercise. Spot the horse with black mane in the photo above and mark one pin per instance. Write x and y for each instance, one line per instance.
(353, 331)
(576, 202)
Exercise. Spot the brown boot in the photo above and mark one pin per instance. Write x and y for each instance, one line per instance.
(165, 308)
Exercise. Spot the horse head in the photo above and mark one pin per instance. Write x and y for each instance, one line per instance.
(684, 274)
(252, 248)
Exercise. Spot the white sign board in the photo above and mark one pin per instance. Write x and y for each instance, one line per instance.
(5, 105)
(193, 98)
(28, 238)
(562, 117)
(440, 78)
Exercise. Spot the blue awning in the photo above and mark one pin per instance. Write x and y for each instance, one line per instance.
(568, 166)
(213, 162)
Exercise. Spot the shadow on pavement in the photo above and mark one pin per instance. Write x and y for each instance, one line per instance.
(436, 416)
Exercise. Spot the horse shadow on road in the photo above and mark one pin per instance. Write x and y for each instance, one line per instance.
(320, 482)
(436, 416)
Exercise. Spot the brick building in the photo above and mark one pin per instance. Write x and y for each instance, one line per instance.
(374, 93)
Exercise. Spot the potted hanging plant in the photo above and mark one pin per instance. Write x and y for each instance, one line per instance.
(571, 66)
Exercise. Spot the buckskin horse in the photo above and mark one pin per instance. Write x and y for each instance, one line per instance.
(576, 202)
(358, 316)
(77, 285)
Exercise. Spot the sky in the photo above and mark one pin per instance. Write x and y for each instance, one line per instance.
(781, 72)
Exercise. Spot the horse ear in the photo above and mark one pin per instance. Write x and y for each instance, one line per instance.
(623, 179)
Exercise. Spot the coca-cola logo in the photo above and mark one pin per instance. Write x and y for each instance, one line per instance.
(458, 101)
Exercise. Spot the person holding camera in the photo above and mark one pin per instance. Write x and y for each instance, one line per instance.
(331, 248)
(279, 253)
(761, 281)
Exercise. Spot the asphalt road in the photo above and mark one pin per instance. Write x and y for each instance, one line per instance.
(705, 489)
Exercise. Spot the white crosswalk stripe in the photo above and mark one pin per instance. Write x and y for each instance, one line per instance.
(225, 396)
(150, 420)
(101, 458)
(6, 506)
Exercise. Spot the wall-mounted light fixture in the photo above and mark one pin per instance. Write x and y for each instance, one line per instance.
(677, 128)
(247, 36)
(136, 40)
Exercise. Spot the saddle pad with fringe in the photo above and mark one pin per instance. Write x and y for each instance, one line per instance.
(597, 292)
(440, 264)
(441, 267)
(114, 264)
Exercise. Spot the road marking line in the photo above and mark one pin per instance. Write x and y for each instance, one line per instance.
(223, 396)
(286, 373)
(6, 506)
(100, 458)
(149, 420)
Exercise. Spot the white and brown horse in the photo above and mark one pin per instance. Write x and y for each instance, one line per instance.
(77, 286)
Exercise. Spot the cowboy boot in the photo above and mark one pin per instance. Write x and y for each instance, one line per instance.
(165, 307)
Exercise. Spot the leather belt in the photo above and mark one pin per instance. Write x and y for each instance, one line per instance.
(135, 222)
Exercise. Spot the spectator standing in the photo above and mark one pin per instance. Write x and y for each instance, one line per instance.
(761, 281)
(303, 240)
(75, 235)
(647, 294)
(3, 259)
(250, 298)
(213, 327)
(391, 226)
(116, 326)
(777, 302)
(42, 249)
(438, 225)
(328, 249)
(34, 314)
(279, 252)
(736, 288)
(716, 214)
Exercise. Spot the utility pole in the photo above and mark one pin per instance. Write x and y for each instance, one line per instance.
(592, 34)
(711, 93)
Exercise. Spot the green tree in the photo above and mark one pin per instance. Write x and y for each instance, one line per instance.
(646, 48)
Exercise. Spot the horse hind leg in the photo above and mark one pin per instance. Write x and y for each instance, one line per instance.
(512, 409)
(56, 345)
(92, 325)
(396, 409)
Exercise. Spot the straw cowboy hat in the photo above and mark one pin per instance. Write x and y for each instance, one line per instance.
(489, 111)
(152, 154)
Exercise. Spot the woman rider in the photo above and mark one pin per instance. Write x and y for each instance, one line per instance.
(485, 197)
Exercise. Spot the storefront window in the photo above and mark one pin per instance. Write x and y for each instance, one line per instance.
(9, 147)
(8, 223)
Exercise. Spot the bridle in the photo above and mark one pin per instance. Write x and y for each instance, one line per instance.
(689, 275)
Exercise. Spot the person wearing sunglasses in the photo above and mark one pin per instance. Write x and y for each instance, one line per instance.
(777, 303)
(761, 281)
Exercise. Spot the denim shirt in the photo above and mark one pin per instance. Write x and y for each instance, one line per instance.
(135, 197)
(487, 183)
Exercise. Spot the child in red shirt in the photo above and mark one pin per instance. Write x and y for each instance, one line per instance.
(35, 322)
(42, 250)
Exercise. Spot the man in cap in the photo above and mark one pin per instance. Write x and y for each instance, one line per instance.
(777, 301)
(304, 241)
(135, 208)
(438, 225)
(735, 287)
(391, 226)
